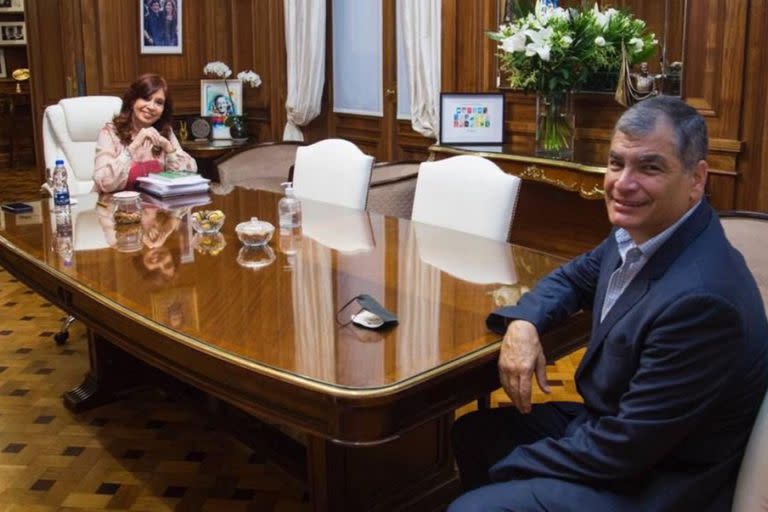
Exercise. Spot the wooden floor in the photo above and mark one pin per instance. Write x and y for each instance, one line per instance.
(133, 455)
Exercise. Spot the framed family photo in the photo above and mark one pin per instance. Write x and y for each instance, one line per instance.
(12, 33)
(220, 98)
(471, 118)
(11, 5)
(3, 69)
(160, 26)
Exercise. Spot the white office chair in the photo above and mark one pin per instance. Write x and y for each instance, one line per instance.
(70, 129)
(466, 193)
(333, 171)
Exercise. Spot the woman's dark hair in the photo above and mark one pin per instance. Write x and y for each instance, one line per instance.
(144, 87)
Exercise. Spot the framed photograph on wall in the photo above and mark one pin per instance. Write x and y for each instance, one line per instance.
(471, 118)
(11, 5)
(160, 26)
(13, 33)
(3, 70)
(221, 98)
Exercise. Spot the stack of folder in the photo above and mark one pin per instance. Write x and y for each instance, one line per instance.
(170, 183)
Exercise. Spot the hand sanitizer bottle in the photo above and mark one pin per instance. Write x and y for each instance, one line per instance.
(289, 209)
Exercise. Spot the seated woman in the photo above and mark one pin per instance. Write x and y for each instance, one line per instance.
(139, 140)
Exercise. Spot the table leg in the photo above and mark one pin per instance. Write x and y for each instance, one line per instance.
(413, 472)
(112, 372)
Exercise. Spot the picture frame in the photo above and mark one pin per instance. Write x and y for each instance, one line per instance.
(472, 118)
(160, 26)
(213, 98)
(11, 5)
(13, 33)
(3, 69)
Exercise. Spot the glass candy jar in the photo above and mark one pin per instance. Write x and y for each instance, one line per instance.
(254, 232)
(126, 208)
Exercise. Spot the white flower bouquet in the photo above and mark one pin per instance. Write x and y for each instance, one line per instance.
(552, 49)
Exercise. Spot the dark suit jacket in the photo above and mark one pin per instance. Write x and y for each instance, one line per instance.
(672, 378)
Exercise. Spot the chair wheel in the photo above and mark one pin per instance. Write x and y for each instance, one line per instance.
(61, 337)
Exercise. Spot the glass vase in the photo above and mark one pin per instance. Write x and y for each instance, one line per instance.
(555, 125)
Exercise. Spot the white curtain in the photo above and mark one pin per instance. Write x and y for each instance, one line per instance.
(305, 49)
(420, 22)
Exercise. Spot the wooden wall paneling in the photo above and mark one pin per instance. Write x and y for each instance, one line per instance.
(248, 25)
(364, 131)
(715, 52)
(448, 45)
(411, 145)
(468, 56)
(275, 80)
(752, 188)
(388, 148)
(41, 84)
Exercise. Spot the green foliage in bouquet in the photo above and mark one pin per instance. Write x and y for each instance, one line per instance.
(552, 50)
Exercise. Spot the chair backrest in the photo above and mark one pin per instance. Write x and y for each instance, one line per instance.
(333, 171)
(466, 193)
(70, 129)
(268, 160)
(393, 186)
(748, 232)
(752, 486)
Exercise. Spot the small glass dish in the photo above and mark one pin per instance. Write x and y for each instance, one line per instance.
(207, 222)
(126, 207)
(209, 244)
(255, 256)
(254, 232)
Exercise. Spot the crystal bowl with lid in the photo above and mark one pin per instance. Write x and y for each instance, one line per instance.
(254, 232)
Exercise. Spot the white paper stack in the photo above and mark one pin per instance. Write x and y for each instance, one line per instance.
(168, 184)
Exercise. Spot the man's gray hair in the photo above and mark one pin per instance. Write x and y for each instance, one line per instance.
(691, 140)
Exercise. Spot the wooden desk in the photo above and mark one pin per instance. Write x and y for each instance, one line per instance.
(206, 151)
(375, 407)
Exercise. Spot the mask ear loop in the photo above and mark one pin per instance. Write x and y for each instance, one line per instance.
(341, 310)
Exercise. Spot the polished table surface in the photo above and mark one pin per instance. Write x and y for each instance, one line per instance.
(273, 340)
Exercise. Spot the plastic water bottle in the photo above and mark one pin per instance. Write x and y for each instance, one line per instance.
(289, 209)
(60, 188)
(64, 245)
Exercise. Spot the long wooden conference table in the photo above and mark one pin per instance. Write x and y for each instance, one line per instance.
(373, 408)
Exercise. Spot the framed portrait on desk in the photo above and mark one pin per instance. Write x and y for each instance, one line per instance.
(471, 118)
(221, 98)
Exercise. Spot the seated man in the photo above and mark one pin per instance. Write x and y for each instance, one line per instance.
(677, 363)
